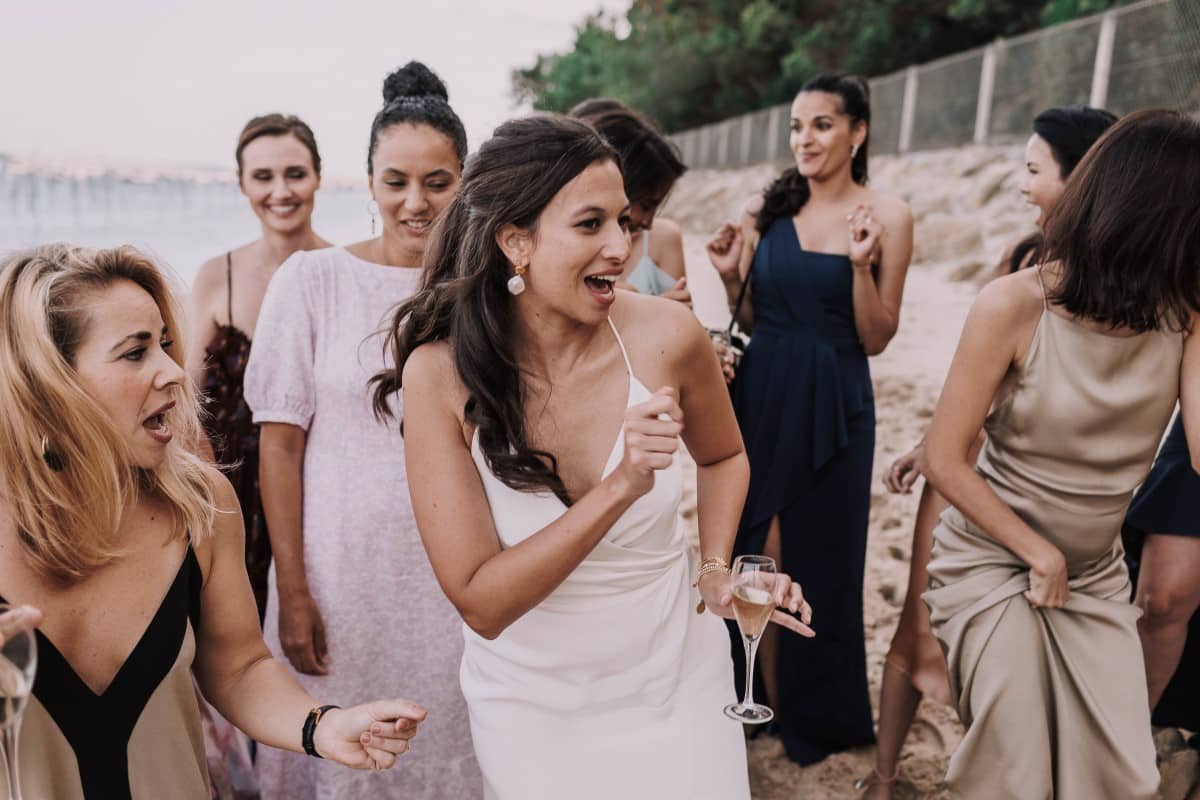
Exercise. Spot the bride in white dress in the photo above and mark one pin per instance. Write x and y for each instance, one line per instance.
(545, 481)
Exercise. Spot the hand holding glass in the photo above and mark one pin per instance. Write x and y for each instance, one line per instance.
(752, 579)
(18, 664)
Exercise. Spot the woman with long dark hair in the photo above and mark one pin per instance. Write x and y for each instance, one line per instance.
(546, 486)
(915, 665)
(1080, 361)
(354, 606)
(826, 258)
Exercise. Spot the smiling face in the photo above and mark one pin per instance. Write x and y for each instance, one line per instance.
(124, 361)
(581, 241)
(279, 180)
(823, 135)
(1043, 183)
(416, 172)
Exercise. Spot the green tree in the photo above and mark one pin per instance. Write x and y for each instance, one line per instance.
(690, 62)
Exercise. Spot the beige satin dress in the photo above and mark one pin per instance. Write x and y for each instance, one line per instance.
(1055, 700)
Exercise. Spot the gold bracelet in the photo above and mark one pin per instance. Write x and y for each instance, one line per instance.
(714, 564)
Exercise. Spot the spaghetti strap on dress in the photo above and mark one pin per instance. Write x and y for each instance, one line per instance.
(234, 436)
(1054, 699)
(612, 686)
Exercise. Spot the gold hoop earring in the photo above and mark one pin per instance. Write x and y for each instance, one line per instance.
(516, 284)
(53, 460)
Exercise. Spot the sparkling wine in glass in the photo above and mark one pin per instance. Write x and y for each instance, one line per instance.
(18, 664)
(753, 579)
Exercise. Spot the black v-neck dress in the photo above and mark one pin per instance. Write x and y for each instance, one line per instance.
(138, 740)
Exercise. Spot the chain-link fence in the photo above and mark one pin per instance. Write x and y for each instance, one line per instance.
(1142, 55)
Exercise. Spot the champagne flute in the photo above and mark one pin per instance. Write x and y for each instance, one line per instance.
(18, 663)
(753, 579)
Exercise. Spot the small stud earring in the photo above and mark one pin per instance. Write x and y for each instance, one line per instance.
(516, 284)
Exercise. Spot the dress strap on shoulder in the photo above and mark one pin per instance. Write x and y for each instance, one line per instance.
(229, 286)
(621, 344)
(646, 243)
(1042, 286)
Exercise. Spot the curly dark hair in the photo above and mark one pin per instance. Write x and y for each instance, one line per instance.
(416, 95)
(788, 193)
(464, 299)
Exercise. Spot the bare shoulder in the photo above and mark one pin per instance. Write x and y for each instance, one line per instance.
(227, 531)
(891, 210)
(666, 232)
(430, 369)
(668, 326)
(1011, 299)
(210, 278)
(753, 205)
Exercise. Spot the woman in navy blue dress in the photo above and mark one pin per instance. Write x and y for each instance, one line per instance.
(1162, 541)
(826, 258)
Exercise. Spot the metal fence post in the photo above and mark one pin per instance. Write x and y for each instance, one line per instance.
(773, 126)
(908, 109)
(987, 85)
(747, 130)
(1103, 65)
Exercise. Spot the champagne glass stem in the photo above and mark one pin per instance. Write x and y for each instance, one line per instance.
(751, 644)
(9, 745)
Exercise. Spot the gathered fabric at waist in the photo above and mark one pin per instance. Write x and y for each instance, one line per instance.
(574, 649)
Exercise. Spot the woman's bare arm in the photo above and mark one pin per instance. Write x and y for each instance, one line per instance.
(995, 337)
(877, 298)
(493, 587)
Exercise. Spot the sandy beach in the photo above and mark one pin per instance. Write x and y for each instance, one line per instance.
(967, 211)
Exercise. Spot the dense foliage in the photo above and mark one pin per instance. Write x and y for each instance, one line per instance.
(690, 62)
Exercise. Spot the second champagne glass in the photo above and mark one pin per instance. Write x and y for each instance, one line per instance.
(753, 583)
(18, 663)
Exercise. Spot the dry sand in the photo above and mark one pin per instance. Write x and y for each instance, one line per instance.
(967, 211)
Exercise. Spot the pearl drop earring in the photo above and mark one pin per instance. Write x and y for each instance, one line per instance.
(516, 284)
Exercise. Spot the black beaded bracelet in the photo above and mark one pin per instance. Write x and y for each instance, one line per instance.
(310, 728)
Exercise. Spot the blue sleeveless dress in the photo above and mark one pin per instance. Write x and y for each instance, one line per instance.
(1168, 502)
(806, 408)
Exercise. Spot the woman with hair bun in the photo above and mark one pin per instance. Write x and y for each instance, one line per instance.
(826, 258)
(354, 605)
(279, 172)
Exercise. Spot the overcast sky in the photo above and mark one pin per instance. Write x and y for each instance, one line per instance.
(168, 81)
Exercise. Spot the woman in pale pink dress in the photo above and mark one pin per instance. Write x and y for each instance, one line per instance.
(353, 604)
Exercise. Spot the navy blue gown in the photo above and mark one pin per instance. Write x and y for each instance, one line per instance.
(1168, 502)
(806, 408)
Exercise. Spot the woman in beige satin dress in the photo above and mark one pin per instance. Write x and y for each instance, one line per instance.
(1085, 358)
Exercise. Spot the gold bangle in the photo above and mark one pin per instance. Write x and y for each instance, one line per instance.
(714, 564)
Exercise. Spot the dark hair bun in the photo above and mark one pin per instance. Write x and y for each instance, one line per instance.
(414, 79)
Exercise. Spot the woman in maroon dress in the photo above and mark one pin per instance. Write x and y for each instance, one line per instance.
(279, 171)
